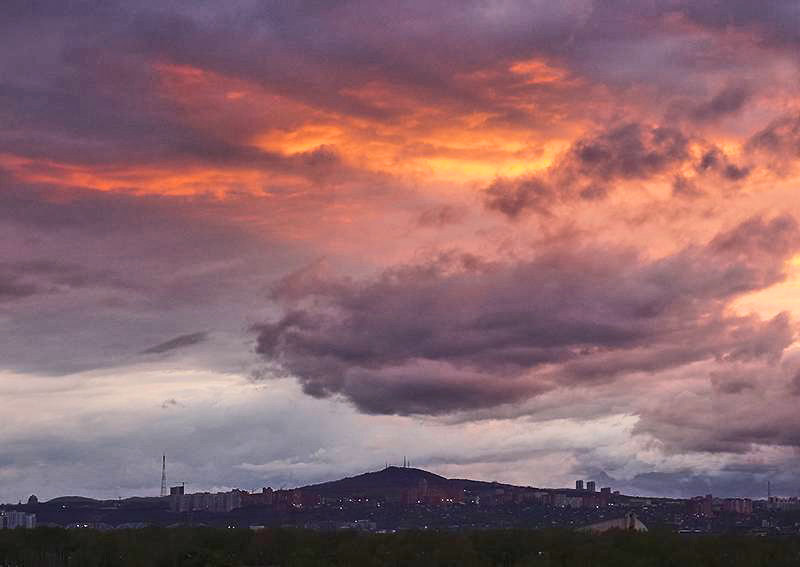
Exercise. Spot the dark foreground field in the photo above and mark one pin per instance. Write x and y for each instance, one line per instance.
(211, 547)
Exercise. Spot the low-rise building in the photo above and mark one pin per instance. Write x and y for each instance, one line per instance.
(199, 501)
(11, 519)
(742, 506)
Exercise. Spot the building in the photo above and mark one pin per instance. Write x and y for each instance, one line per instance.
(629, 522)
(264, 498)
(741, 506)
(11, 519)
(564, 501)
(595, 500)
(578, 485)
(591, 486)
(204, 501)
(778, 503)
(702, 506)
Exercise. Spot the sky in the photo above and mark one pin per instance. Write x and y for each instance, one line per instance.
(286, 242)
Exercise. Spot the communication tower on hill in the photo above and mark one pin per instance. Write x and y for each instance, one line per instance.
(164, 475)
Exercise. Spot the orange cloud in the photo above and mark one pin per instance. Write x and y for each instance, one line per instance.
(433, 140)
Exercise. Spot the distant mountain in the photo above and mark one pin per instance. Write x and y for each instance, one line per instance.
(84, 502)
(394, 480)
(74, 501)
(391, 481)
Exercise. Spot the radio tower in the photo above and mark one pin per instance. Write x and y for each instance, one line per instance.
(164, 475)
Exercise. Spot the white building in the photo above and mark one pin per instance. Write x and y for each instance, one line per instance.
(628, 522)
(10, 519)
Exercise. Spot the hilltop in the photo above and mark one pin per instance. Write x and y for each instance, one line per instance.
(393, 480)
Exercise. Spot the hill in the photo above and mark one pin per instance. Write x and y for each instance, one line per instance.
(394, 480)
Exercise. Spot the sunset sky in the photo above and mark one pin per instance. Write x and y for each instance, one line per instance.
(285, 242)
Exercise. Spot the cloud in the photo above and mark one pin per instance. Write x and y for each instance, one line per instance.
(628, 151)
(591, 168)
(11, 288)
(159, 174)
(776, 22)
(169, 403)
(725, 103)
(178, 342)
(130, 87)
(441, 215)
(720, 409)
(779, 140)
(513, 197)
(460, 333)
(713, 159)
(25, 278)
(91, 277)
(596, 165)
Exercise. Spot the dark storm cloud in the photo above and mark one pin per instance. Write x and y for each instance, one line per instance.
(176, 343)
(591, 167)
(716, 160)
(461, 333)
(780, 139)
(776, 22)
(631, 151)
(12, 288)
(728, 101)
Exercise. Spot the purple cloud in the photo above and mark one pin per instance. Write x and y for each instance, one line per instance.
(460, 333)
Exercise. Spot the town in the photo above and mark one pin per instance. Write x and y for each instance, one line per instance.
(401, 497)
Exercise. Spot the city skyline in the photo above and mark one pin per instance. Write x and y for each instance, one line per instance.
(404, 497)
(588, 489)
(281, 243)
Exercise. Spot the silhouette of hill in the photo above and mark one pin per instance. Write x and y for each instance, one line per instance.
(393, 480)
(86, 501)
(74, 501)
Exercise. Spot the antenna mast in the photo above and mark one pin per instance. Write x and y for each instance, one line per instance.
(163, 475)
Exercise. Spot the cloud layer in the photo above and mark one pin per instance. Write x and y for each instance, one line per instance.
(430, 216)
(459, 333)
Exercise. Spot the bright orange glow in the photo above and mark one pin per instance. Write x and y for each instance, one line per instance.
(438, 143)
(434, 143)
(784, 296)
(537, 71)
(144, 180)
(315, 155)
(304, 139)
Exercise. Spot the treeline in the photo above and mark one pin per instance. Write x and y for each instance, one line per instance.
(210, 547)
